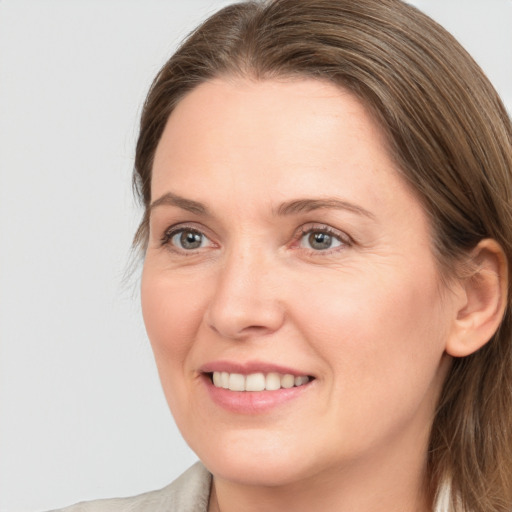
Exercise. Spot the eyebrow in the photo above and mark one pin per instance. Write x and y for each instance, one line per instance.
(293, 207)
(308, 205)
(170, 199)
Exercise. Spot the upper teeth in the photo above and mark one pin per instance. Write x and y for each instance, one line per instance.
(256, 381)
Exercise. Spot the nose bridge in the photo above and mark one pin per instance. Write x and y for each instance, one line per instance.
(245, 301)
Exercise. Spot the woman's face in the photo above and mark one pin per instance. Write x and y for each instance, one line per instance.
(285, 250)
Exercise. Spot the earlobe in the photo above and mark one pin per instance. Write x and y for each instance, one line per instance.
(484, 294)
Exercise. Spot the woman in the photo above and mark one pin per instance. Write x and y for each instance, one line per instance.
(326, 238)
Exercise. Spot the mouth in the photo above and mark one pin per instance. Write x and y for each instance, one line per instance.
(259, 381)
(254, 387)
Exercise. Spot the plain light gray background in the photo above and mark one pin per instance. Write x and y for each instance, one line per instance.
(82, 415)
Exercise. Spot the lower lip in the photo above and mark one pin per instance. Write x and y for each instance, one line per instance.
(252, 402)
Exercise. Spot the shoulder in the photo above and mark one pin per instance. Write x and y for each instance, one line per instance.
(188, 493)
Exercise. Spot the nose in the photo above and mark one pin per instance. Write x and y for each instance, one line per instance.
(245, 302)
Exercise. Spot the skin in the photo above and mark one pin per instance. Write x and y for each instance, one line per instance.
(369, 317)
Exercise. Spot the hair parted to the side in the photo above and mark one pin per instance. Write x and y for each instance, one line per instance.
(451, 139)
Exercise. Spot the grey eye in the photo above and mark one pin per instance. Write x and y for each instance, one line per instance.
(189, 240)
(320, 241)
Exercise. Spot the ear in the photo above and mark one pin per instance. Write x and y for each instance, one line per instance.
(483, 300)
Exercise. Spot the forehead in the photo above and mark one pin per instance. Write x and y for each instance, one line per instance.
(278, 129)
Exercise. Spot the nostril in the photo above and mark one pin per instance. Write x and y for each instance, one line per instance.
(235, 333)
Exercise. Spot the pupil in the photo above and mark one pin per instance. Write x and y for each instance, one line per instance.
(320, 240)
(190, 240)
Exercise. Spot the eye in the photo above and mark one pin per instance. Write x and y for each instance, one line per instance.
(186, 239)
(321, 239)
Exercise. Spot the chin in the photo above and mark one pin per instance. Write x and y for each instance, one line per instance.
(259, 460)
(257, 471)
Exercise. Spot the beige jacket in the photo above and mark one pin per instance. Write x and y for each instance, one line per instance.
(189, 493)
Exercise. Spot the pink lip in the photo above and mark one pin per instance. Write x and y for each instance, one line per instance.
(250, 402)
(248, 367)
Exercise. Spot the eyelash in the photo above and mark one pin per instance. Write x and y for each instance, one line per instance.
(171, 232)
(307, 230)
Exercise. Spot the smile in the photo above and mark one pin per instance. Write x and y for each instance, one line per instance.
(257, 381)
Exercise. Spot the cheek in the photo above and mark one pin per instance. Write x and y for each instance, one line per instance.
(172, 314)
(382, 340)
(385, 358)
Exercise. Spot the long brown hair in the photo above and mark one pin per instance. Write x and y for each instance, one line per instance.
(451, 139)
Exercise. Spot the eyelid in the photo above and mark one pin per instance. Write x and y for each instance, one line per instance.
(171, 231)
(313, 227)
